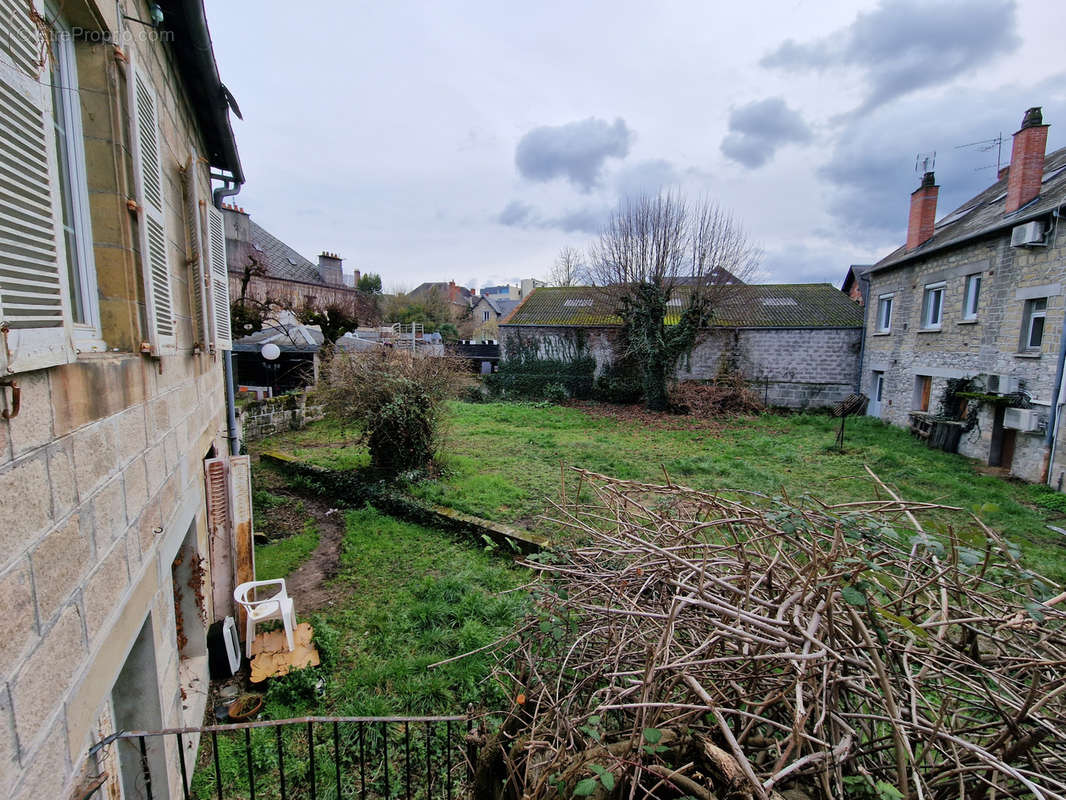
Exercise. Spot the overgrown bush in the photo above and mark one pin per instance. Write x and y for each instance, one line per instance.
(620, 382)
(528, 371)
(556, 393)
(396, 400)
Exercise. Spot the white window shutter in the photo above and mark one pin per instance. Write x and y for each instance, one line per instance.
(22, 43)
(33, 275)
(220, 544)
(147, 146)
(216, 236)
(198, 284)
(240, 474)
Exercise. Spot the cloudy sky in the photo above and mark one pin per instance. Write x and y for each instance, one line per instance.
(470, 141)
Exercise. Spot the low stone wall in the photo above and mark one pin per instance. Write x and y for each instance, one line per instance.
(289, 412)
(348, 490)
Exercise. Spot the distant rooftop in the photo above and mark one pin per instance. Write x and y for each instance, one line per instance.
(772, 305)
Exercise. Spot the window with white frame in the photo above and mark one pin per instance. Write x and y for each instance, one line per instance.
(484, 316)
(971, 296)
(74, 220)
(884, 313)
(1033, 324)
(933, 306)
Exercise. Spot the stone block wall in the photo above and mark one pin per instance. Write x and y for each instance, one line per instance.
(290, 412)
(101, 472)
(960, 348)
(790, 367)
(97, 495)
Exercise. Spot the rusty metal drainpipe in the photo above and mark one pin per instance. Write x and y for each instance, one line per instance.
(1052, 440)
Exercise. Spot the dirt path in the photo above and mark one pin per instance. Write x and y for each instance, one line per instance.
(307, 583)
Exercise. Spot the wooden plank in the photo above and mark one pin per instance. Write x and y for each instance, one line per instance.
(220, 542)
(240, 472)
(271, 656)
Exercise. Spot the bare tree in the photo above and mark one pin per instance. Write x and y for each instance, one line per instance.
(659, 251)
(569, 268)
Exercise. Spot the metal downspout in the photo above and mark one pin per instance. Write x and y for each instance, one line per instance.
(231, 188)
(864, 283)
(1052, 439)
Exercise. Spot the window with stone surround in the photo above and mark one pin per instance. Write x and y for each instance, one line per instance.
(971, 296)
(884, 313)
(73, 186)
(933, 306)
(1033, 325)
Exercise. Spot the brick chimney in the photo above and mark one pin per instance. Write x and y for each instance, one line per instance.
(358, 275)
(923, 212)
(330, 268)
(1026, 161)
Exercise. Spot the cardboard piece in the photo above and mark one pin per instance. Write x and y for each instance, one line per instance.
(271, 656)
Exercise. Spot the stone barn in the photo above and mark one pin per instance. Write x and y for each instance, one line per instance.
(796, 344)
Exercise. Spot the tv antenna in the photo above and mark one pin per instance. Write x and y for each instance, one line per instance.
(924, 162)
(985, 146)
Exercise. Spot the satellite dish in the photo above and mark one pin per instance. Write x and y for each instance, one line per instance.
(270, 351)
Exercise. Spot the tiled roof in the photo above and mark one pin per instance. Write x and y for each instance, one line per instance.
(772, 305)
(280, 260)
(505, 307)
(983, 214)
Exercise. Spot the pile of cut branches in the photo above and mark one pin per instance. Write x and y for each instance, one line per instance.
(728, 395)
(740, 646)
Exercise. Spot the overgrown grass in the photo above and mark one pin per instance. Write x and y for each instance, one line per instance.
(406, 598)
(502, 461)
(278, 558)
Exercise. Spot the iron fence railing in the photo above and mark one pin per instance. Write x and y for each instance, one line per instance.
(317, 758)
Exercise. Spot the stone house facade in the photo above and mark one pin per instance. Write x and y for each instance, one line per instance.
(268, 271)
(979, 296)
(795, 344)
(111, 310)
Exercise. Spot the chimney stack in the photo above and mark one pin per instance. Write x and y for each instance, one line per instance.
(923, 212)
(1026, 161)
(331, 269)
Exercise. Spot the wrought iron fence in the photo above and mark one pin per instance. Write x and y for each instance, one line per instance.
(317, 758)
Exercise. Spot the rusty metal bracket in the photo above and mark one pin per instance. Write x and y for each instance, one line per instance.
(16, 399)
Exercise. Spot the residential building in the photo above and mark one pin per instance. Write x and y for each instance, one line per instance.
(796, 344)
(115, 325)
(976, 300)
(853, 284)
(503, 292)
(487, 313)
(263, 269)
(459, 297)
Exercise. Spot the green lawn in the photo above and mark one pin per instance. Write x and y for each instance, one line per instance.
(502, 461)
(406, 597)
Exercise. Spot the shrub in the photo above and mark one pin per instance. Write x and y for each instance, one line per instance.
(556, 393)
(396, 399)
(619, 383)
(527, 372)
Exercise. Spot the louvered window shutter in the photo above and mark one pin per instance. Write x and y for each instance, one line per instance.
(240, 474)
(216, 230)
(220, 547)
(33, 284)
(197, 257)
(147, 146)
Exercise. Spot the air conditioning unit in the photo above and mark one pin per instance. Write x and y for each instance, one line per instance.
(1009, 384)
(1028, 235)
(1026, 420)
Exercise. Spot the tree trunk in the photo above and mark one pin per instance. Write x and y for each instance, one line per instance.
(655, 384)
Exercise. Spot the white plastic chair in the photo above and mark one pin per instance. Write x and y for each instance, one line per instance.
(277, 606)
